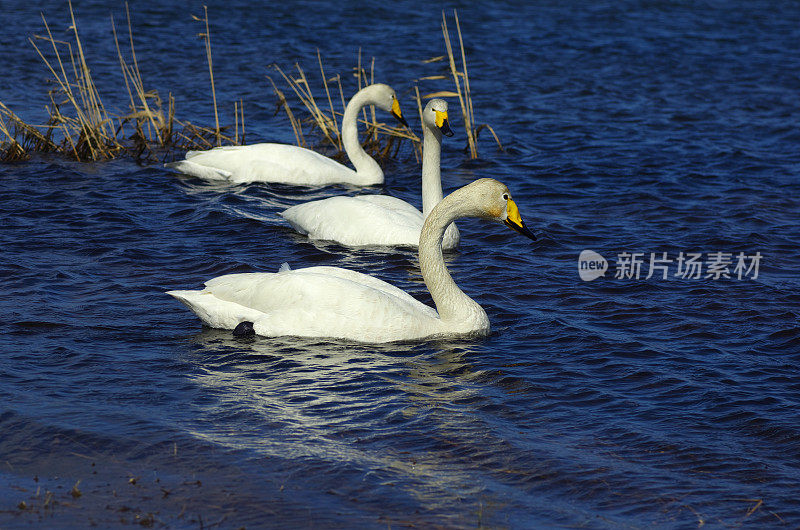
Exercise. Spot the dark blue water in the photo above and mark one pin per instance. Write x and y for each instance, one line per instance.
(645, 127)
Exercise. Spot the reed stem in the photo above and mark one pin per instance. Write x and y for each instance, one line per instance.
(207, 37)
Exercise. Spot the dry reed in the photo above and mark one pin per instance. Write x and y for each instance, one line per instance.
(206, 36)
(79, 125)
(462, 87)
(379, 139)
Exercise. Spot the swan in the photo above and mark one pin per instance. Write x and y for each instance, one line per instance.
(338, 303)
(291, 164)
(380, 219)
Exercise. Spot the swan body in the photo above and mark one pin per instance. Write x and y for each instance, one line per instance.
(380, 219)
(307, 302)
(338, 303)
(290, 164)
(241, 164)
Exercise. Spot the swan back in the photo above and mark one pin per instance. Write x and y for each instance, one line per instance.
(313, 302)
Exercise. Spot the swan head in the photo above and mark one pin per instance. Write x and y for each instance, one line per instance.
(384, 97)
(492, 200)
(435, 117)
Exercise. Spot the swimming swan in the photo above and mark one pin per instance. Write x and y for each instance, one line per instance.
(340, 303)
(291, 164)
(380, 219)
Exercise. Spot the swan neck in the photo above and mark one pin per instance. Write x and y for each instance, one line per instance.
(451, 302)
(366, 167)
(431, 169)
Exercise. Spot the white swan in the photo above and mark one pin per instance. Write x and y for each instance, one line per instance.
(380, 219)
(339, 303)
(291, 164)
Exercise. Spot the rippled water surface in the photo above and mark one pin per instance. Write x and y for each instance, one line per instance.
(644, 127)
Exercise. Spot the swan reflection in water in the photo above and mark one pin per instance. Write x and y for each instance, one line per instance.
(406, 413)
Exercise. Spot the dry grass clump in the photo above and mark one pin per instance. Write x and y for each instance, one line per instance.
(79, 125)
(23, 138)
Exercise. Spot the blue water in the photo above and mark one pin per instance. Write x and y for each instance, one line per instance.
(644, 127)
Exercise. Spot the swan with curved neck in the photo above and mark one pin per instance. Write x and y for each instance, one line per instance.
(339, 303)
(366, 220)
(290, 164)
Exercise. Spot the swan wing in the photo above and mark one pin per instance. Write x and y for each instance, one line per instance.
(266, 163)
(367, 281)
(313, 302)
(358, 221)
(322, 288)
(404, 214)
(392, 203)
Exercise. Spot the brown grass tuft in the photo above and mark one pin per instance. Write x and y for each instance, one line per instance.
(79, 125)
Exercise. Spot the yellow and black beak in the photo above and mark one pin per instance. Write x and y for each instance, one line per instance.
(441, 122)
(396, 112)
(514, 220)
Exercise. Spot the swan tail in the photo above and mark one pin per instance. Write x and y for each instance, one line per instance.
(291, 216)
(222, 314)
(197, 170)
(184, 296)
(215, 312)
